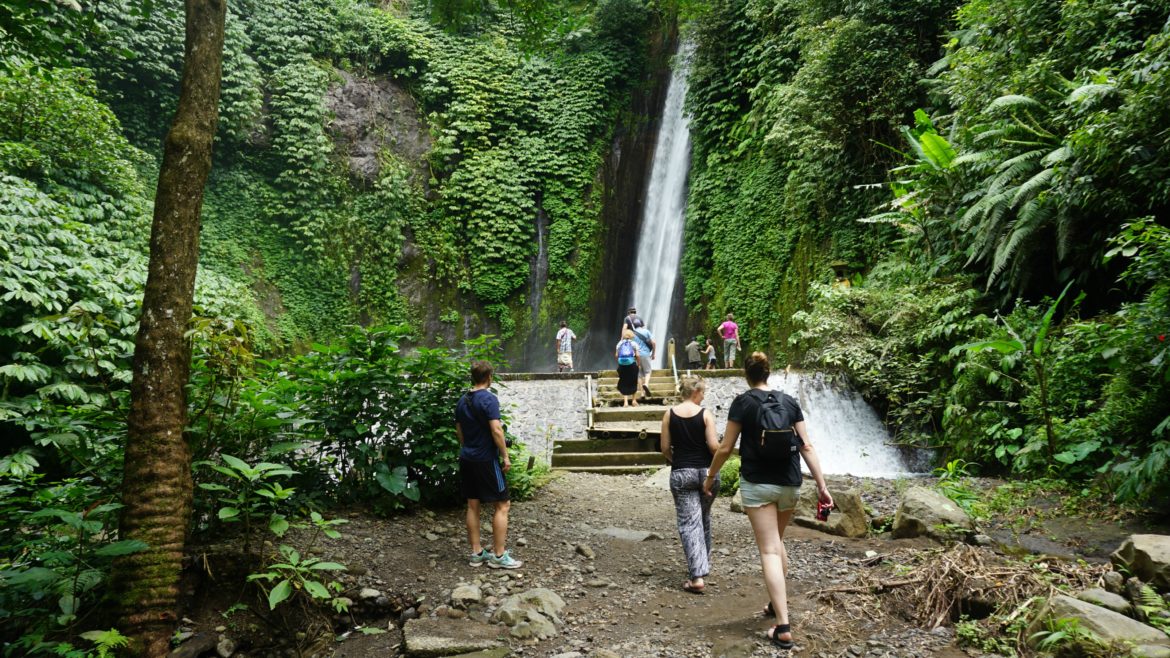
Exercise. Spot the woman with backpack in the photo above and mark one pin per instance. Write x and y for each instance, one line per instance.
(627, 367)
(773, 438)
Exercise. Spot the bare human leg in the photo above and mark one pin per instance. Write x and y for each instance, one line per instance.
(500, 526)
(768, 525)
(472, 521)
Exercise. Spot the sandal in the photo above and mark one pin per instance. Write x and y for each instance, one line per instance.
(774, 635)
(688, 586)
(769, 611)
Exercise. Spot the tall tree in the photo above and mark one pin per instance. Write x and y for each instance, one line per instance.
(157, 488)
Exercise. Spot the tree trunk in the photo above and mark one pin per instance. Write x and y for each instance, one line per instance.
(156, 487)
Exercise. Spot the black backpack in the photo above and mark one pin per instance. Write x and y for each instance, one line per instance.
(778, 437)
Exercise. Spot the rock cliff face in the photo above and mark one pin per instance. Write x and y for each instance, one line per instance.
(372, 116)
(624, 177)
(375, 116)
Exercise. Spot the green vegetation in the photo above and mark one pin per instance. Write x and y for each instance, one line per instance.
(1008, 305)
(988, 178)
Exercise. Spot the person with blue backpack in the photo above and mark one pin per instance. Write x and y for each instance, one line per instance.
(772, 440)
(647, 349)
(626, 354)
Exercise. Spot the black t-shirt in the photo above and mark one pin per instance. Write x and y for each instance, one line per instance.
(753, 466)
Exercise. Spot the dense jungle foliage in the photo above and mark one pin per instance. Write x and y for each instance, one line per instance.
(1025, 151)
(988, 179)
(517, 107)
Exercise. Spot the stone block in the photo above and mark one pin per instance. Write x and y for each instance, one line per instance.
(927, 512)
(1148, 558)
(429, 637)
(848, 518)
(1110, 627)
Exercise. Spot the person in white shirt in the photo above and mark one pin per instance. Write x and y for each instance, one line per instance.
(564, 343)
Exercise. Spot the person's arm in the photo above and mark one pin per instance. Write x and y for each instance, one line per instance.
(653, 348)
(498, 438)
(459, 433)
(814, 463)
(730, 436)
(664, 438)
(709, 431)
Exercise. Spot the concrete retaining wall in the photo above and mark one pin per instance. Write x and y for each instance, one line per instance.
(545, 408)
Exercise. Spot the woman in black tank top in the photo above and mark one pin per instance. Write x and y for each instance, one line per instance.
(688, 441)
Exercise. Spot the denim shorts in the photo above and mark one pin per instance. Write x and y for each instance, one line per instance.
(758, 495)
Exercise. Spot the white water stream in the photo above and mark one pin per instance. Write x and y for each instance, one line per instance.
(661, 240)
(848, 435)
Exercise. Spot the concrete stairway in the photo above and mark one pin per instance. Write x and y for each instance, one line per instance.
(621, 439)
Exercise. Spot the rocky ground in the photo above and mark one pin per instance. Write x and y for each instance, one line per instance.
(608, 547)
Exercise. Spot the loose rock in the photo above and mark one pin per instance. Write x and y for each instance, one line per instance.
(926, 512)
(1148, 558)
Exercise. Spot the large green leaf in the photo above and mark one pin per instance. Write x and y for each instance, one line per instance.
(279, 593)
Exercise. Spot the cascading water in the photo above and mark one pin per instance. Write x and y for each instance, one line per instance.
(661, 240)
(848, 435)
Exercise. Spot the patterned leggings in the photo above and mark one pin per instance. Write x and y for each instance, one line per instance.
(693, 510)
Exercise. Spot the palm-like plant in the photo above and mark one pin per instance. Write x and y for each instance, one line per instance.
(1017, 202)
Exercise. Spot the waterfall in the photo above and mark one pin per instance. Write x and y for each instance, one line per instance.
(848, 435)
(661, 240)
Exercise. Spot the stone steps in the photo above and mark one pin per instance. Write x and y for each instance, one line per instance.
(626, 430)
(610, 470)
(643, 458)
(626, 414)
(592, 446)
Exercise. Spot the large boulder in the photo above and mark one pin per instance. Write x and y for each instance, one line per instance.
(1108, 626)
(1148, 558)
(927, 512)
(440, 636)
(848, 518)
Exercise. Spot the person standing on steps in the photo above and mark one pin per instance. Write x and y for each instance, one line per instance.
(729, 330)
(647, 349)
(564, 344)
(626, 353)
(481, 444)
(710, 352)
(630, 319)
(694, 356)
(772, 439)
(688, 440)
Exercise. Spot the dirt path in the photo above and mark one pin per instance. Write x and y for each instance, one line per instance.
(628, 598)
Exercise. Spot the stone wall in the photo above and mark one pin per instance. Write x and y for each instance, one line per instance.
(542, 411)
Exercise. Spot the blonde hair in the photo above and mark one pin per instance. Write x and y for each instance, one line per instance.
(688, 386)
(628, 334)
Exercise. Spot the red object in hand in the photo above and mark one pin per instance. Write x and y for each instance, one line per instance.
(823, 511)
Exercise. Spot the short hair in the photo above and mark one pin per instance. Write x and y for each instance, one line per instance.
(481, 371)
(688, 386)
(756, 368)
(564, 324)
(730, 316)
(627, 334)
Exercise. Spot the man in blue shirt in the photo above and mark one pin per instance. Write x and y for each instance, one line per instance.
(481, 443)
(646, 352)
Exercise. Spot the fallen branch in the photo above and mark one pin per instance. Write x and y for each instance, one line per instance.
(879, 586)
